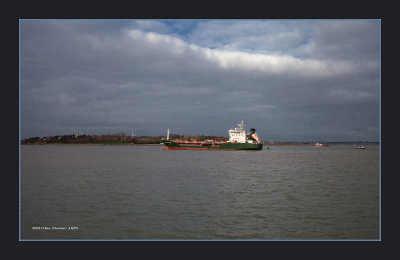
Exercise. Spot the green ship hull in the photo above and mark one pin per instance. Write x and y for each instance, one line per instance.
(239, 139)
(173, 145)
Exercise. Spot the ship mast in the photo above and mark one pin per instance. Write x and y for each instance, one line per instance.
(168, 134)
(241, 125)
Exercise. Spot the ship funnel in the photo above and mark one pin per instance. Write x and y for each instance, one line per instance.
(253, 134)
(256, 137)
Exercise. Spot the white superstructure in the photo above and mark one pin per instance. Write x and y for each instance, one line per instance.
(239, 135)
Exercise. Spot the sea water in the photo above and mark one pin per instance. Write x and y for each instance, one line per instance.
(116, 192)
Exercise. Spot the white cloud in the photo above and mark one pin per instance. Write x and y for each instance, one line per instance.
(271, 64)
(156, 40)
(239, 60)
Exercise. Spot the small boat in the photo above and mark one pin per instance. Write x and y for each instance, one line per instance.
(319, 145)
(360, 147)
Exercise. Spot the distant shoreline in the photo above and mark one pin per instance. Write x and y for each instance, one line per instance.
(122, 139)
(130, 144)
(121, 144)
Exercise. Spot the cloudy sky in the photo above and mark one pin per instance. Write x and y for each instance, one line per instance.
(292, 80)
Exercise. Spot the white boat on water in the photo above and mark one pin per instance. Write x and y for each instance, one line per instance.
(319, 145)
(360, 147)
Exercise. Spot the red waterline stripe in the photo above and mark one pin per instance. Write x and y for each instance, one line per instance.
(184, 148)
(192, 143)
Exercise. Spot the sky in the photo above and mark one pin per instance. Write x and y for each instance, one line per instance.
(291, 80)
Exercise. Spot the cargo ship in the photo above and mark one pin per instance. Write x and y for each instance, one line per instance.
(239, 139)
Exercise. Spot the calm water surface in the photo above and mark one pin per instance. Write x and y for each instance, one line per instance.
(146, 193)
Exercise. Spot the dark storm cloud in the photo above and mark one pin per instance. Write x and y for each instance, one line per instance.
(290, 80)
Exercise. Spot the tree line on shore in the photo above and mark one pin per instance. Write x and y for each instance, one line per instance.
(119, 138)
